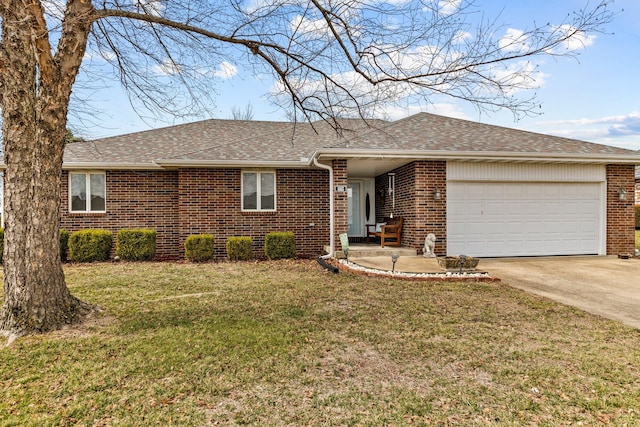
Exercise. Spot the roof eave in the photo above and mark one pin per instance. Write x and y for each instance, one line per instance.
(480, 156)
(110, 166)
(180, 163)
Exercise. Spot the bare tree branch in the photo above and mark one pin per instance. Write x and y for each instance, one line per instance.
(336, 59)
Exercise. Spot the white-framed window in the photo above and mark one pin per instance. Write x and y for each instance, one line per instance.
(258, 191)
(87, 192)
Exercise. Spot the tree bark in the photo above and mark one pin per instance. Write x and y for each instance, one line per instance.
(35, 92)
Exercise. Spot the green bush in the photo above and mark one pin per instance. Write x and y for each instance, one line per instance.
(239, 248)
(90, 245)
(637, 217)
(136, 245)
(199, 248)
(64, 245)
(279, 245)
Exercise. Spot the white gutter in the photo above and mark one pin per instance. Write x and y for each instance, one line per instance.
(110, 166)
(332, 243)
(495, 156)
(173, 163)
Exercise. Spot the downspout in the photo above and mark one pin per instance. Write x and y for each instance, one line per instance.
(332, 243)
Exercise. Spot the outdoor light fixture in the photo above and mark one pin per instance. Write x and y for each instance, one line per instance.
(463, 260)
(622, 194)
(436, 193)
(394, 259)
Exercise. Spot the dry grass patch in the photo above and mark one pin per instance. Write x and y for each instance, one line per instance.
(287, 343)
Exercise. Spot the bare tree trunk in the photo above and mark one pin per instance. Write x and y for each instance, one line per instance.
(36, 298)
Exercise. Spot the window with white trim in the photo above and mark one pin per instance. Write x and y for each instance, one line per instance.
(87, 192)
(258, 191)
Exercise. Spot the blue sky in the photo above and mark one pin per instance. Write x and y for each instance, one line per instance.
(594, 98)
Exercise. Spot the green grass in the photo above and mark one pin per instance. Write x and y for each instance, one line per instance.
(637, 239)
(287, 343)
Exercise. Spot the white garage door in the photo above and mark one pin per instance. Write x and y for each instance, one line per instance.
(524, 218)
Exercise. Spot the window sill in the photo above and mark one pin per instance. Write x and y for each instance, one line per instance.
(259, 213)
(87, 213)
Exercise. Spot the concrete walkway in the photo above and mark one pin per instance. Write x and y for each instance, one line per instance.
(409, 264)
(605, 286)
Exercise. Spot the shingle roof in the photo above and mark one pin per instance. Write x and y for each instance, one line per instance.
(282, 142)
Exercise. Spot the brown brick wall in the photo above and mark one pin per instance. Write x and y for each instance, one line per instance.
(340, 201)
(210, 202)
(431, 214)
(414, 201)
(135, 199)
(620, 213)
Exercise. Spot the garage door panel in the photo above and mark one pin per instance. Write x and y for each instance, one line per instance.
(523, 218)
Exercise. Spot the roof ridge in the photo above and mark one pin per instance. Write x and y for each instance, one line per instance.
(179, 125)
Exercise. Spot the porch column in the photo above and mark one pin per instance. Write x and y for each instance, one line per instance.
(431, 214)
(340, 207)
(620, 213)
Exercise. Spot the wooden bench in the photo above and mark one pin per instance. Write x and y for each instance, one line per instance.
(389, 233)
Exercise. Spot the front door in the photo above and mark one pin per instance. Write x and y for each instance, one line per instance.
(354, 210)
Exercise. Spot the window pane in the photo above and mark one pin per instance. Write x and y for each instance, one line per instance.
(97, 192)
(78, 192)
(267, 193)
(249, 191)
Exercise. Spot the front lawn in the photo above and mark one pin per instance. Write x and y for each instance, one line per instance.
(287, 343)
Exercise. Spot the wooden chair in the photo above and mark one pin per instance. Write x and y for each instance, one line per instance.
(389, 233)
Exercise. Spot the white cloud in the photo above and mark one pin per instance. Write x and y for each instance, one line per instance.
(448, 109)
(167, 68)
(448, 7)
(396, 112)
(152, 7)
(514, 41)
(262, 6)
(102, 55)
(521, 75)
(54, 8)
(302, 24)
(225, 70)
(577, 39)
(631, 120)
(622, 130)
(461, 37)
(396, 2)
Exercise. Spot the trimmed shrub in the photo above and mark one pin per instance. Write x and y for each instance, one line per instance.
(90, 245)
(136, 244)
(64, 245)
(279, 245)
(239, 248)
(199, 248)
(637, 217)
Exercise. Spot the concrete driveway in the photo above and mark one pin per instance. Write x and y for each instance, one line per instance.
(606, 286)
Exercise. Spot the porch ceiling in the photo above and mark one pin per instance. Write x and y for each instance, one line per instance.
(369, 168)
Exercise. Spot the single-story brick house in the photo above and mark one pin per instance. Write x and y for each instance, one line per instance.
(482, 190)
